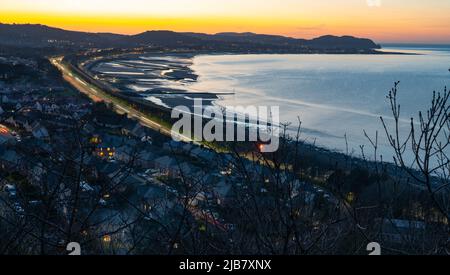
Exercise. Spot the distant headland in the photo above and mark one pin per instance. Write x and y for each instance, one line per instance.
(41, 36)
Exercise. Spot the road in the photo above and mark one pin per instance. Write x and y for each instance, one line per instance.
(98, 96)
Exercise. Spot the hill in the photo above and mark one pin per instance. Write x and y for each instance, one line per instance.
(39, 36)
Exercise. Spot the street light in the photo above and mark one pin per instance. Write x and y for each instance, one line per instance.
(106, 239)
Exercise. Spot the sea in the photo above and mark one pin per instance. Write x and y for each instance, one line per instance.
(337, 100)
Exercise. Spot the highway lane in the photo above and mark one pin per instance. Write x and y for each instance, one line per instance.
(97, 95)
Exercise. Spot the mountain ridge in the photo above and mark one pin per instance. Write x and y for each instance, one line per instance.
(37, 35)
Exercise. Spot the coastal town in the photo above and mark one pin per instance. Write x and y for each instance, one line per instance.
(125, 170)
(37, 123)
(84, 161)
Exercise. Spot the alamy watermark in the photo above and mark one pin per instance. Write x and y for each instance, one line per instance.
(74, 249)
(231, 123)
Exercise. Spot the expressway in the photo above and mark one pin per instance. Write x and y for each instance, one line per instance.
(98, 96)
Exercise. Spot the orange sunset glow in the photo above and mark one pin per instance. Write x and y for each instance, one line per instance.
(381, 20)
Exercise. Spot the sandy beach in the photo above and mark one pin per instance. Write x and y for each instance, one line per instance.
(161, 79)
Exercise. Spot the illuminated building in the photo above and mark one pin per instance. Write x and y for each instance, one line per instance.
(105, 152)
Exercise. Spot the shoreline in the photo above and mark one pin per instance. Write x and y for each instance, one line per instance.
(183, 72)
(178, 95)
(317, 156)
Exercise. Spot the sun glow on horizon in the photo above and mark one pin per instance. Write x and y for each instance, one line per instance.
(381, 20)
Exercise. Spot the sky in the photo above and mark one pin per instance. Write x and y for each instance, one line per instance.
(409, 21)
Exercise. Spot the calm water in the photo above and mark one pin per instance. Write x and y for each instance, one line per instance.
(334, 95)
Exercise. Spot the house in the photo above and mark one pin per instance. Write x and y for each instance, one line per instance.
(94, 166)
(130, 180)
(108, 121)
(402, 232)
(105, 152)
(222, 192)
(172, 168)
(124, 153)
(196, 152)
(128, 128)
(5, 99)
(88, 128)
(156, 203)
(53, 108)
(184, 169)
(138, 131)
(110, 170)
(9, 159)
(255, 170)
(36, 173)
(38, 107)
(173, 146)
(167, 165)
(161, 211)
(115, 141)
(58, 121)
(202, 154)
(154, 194)
(5, 136)
(188, 147)
(145, 159)
(39, 131)
(19, 121)
(199, 198)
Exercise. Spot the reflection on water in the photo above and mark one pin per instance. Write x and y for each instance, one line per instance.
(334, 95)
